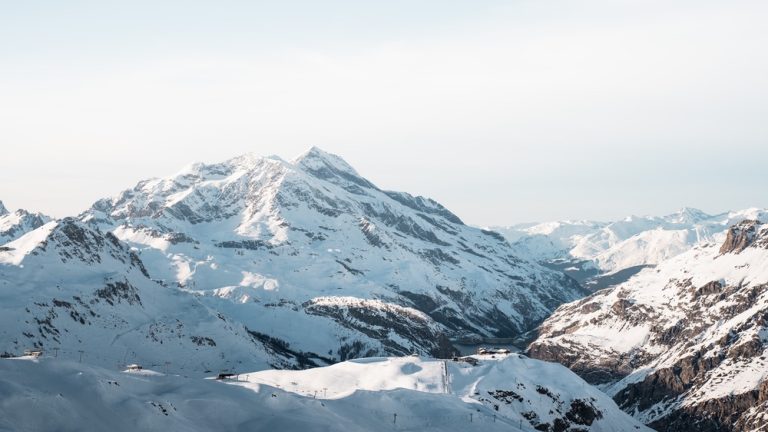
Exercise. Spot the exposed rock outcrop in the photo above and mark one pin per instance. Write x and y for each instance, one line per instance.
(740, 236)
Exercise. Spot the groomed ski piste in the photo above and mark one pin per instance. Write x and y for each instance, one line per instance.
(506, 392)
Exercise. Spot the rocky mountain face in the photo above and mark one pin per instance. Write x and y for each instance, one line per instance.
(604, 254)
(302, 263)
(16, 224)
(683, 346)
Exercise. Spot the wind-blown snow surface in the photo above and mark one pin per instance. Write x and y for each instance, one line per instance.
(588, 248)
(505, 393)
(684, 345)
(310, 253)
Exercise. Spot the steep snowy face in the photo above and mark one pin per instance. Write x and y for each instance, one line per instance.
(590, 249)
(78, 293)
(683, 345)
(16, 224)
(287, 245)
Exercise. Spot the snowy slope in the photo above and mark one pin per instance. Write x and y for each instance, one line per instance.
(76, 292)
(311, 247)
(682, 346)
(523, 392)
(67, 396)
(16, 224)
(365, 395)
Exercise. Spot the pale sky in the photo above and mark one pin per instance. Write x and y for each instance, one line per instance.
(504, 111)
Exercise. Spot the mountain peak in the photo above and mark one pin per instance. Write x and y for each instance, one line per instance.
(688, 215)
(316, 157)
(16, 224)
(328, 166)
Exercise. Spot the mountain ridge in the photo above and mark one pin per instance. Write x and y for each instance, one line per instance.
(14, 225)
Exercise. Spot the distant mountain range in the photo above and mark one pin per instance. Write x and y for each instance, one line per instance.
(602, 254)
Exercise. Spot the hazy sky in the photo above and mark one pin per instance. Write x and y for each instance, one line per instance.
(504, 111)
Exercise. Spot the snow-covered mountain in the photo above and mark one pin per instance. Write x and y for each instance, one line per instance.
(589, 250)
(16, 224)
(310, 253)
(682, 346)
(504, 393)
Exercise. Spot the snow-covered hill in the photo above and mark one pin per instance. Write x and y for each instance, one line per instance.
(588, 250)
(682, 346)
(16, 224)
(509, 393)
(75, 292)
(311, 253)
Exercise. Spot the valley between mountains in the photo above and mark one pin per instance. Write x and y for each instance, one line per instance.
(302, 276)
